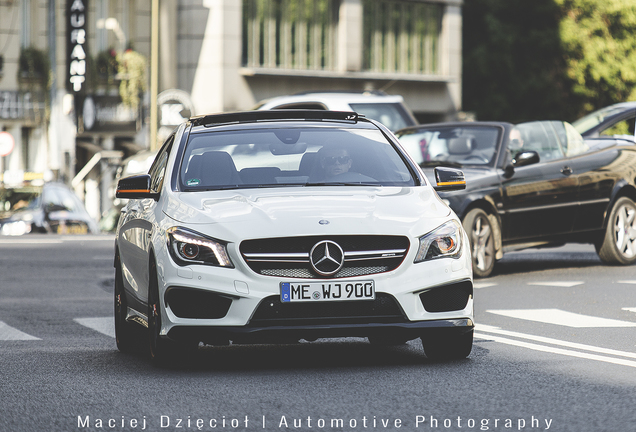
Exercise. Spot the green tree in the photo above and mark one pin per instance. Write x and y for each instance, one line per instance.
(547, 59)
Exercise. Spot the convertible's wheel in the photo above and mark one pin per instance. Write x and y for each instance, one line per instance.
(448, 346)
(127, 334)
(480, 233)
(619, 243)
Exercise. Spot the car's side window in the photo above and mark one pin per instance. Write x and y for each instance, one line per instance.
(540, 137)
(158, 169)
(623, 127)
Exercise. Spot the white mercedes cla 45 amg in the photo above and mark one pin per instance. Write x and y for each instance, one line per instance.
(277, 226)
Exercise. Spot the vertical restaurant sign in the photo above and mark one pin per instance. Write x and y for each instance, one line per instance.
(76, 15)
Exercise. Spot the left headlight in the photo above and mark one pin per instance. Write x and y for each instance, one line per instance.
(443, 242)
(189, 247)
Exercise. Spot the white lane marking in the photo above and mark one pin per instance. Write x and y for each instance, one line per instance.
(560, 317)
(633, 282)
(105, 325)
(564, 284)
(9, 333)
(496, 330)
(483, 284)
(630, 309)
(560, 351)
(30, 242)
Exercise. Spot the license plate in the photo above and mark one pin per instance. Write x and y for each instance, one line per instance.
(326, 291)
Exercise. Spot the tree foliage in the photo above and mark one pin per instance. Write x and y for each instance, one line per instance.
(547, 59)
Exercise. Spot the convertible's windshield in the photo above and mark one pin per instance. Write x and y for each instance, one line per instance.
(296, 156)
(452, 145)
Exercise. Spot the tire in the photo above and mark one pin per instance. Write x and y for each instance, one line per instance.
(619, 243)
(127, 335)
(448, 346)
(482, 242)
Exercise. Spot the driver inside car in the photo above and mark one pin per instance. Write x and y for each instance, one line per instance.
(334, 161)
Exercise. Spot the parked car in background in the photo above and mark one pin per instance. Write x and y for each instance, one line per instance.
(138, 163)
(613, 121)
(50, 208)
(389, 110)
(536, 184)
(276, 226)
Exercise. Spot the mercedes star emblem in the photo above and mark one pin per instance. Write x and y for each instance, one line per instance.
(326, 258)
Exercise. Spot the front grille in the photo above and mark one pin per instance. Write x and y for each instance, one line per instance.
(272, 312)
(447, 298)
(193, 303)
(290, 256)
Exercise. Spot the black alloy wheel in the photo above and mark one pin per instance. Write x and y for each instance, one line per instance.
(482, 242)
(127, 334)
(619, 243)
(445, 346)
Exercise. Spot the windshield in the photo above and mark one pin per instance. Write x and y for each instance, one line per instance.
(452, 145)
(391, 115)
(299, 156)
(14, 199)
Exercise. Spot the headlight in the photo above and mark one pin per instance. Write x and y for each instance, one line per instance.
(443, 242)
(189, 247)
(15, 228)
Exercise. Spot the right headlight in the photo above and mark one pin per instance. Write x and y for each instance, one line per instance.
(443, 242)
(189, 247)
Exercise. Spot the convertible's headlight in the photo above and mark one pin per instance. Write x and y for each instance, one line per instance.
(189, 247)
(15, 228)
(443, 242)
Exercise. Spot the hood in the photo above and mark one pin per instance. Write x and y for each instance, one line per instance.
(253, 213)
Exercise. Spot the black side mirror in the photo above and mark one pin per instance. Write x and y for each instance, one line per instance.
(526, 158)
(449, 179)
(135, 187)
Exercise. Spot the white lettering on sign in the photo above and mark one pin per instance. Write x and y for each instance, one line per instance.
(77, 39)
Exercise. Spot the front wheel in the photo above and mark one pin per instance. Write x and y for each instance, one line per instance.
(127, 334)
(448, 346)
(619, 243)
(482, 242)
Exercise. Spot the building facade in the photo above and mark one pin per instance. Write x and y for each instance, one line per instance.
(76, 103)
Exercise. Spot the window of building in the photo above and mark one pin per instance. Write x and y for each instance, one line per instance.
(25, 30)
(402, 36)
(290, 34)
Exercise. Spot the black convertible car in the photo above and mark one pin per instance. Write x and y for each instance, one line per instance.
(535, 184)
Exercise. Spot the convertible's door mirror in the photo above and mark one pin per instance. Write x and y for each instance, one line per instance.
(135, 187)
(449, 179)
(526, 158)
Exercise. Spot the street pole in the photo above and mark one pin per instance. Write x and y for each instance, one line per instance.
(154, 72)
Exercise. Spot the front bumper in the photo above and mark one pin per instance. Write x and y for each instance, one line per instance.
(245, 295)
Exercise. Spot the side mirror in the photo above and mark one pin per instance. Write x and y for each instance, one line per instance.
(526, 158)
(449, 179)
(135, 187)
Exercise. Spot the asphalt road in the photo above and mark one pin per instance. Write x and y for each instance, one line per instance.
(555, 349)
